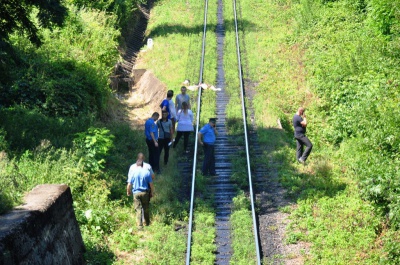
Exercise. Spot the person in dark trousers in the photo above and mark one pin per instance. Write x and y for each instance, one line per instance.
(206, 138)
(185, 125)
(300, 124)
(168, 105)
(140, 184)
(165, 133)
(151, 132)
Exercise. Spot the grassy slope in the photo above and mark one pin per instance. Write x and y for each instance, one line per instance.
(343, 228)
(329, 213)
(174, 58)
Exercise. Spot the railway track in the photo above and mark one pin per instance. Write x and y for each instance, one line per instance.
(222, 189)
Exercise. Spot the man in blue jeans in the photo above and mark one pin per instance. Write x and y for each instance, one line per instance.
(207, 136)
(300, 124)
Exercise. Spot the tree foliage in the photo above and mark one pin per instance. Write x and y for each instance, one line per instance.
(17, 16)
(68, 74)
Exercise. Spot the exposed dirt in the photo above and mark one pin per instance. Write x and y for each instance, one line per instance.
(142, 100)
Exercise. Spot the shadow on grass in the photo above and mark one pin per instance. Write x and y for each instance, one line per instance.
(171, 28)
(313, 180)
(94, 255)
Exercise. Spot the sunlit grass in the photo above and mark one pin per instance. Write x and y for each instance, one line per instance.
(176, 30)
(329, 210)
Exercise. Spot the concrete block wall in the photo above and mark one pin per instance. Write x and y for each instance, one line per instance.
(43, 230)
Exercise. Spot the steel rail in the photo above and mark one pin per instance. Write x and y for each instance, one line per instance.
(246, 138)
(189, 241)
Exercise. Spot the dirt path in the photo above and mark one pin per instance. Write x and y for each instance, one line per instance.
(142, 100)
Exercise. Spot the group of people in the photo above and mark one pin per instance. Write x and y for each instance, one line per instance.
(160, 136)
(176, 121)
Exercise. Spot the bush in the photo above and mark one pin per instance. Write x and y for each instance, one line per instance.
(68, 74)
(92, 148)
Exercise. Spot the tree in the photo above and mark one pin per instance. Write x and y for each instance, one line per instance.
(15, 15)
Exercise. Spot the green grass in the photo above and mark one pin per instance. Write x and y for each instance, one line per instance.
(174, 58)
(339, 59)
(283, 49)
(243, 245)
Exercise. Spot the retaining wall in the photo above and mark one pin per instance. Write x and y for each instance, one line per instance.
(43, 230)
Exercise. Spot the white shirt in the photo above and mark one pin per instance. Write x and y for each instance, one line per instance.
(185, 121)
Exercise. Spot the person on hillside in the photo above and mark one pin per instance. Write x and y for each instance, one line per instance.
(165, 133)
(300, 124)
(207, 136)
(185, 125)
(147, 166)
(168, 105)
(151, 132)
(140, 184)
(183, 97)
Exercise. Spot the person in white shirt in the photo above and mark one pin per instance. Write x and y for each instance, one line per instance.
(185, 125)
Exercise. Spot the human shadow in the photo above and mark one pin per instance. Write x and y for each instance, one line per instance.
(277, 177)
(285, 180)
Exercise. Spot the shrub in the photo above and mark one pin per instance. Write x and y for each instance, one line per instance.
(92, 147)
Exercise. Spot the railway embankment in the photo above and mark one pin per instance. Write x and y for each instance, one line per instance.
(43, 230)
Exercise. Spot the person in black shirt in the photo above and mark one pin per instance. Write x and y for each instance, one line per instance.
(300, 124)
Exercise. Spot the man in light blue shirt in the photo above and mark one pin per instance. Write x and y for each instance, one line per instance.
(140, 184)
(207, 136)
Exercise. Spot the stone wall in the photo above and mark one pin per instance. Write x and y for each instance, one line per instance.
(43, 230)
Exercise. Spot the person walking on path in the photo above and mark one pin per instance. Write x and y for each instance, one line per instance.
(165, 135)
(147, 166)
(185, 125)
(140, 184)
(207, 137)
(183, 97)
(168, 105)
(151, 132)
(300, 124)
